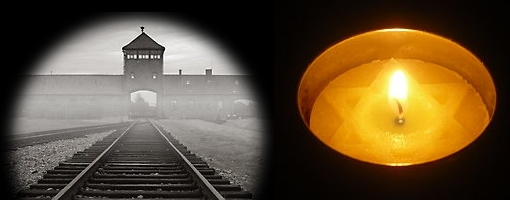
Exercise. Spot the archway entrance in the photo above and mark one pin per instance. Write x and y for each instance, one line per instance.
(143, 104)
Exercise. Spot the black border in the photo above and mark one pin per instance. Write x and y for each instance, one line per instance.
(28, 37)
(307, 169)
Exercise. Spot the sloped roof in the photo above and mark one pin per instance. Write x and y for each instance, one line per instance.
(143, 41)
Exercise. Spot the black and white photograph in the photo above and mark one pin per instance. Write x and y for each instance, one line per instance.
(138, 106)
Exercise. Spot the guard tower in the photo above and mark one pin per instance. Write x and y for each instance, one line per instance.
(178, 96)
(143, 67)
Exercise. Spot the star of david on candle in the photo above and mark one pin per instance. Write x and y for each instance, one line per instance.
(409, 105)
(363, 116)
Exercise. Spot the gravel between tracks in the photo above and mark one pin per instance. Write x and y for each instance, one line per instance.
(234, 148)
(28, 164)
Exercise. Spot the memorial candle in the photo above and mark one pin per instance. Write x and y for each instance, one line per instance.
(401, 110)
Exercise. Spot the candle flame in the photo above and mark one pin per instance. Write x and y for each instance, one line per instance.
(398, 86)
(398, 95)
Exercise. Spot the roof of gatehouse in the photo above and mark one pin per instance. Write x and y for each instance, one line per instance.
(143, 42)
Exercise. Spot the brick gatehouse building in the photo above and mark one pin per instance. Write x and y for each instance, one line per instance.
(179, 96)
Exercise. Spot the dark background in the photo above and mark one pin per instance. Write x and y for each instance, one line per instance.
(306, 169)
(26, 36)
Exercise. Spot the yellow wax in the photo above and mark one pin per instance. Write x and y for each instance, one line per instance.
(443, 114)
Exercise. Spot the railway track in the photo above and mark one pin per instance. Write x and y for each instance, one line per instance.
(60, 134)
(137, 162)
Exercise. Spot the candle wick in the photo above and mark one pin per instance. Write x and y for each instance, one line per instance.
(400, 118)
(400, 110)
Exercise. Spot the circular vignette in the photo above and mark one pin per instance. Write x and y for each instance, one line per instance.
(64, 28)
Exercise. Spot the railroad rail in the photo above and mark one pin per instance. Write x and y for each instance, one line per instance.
(40, 137)
(141, 161)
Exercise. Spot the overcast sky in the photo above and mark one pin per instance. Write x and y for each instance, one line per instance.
(96, 48)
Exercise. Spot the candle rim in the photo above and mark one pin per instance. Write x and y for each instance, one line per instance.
(309, 90)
